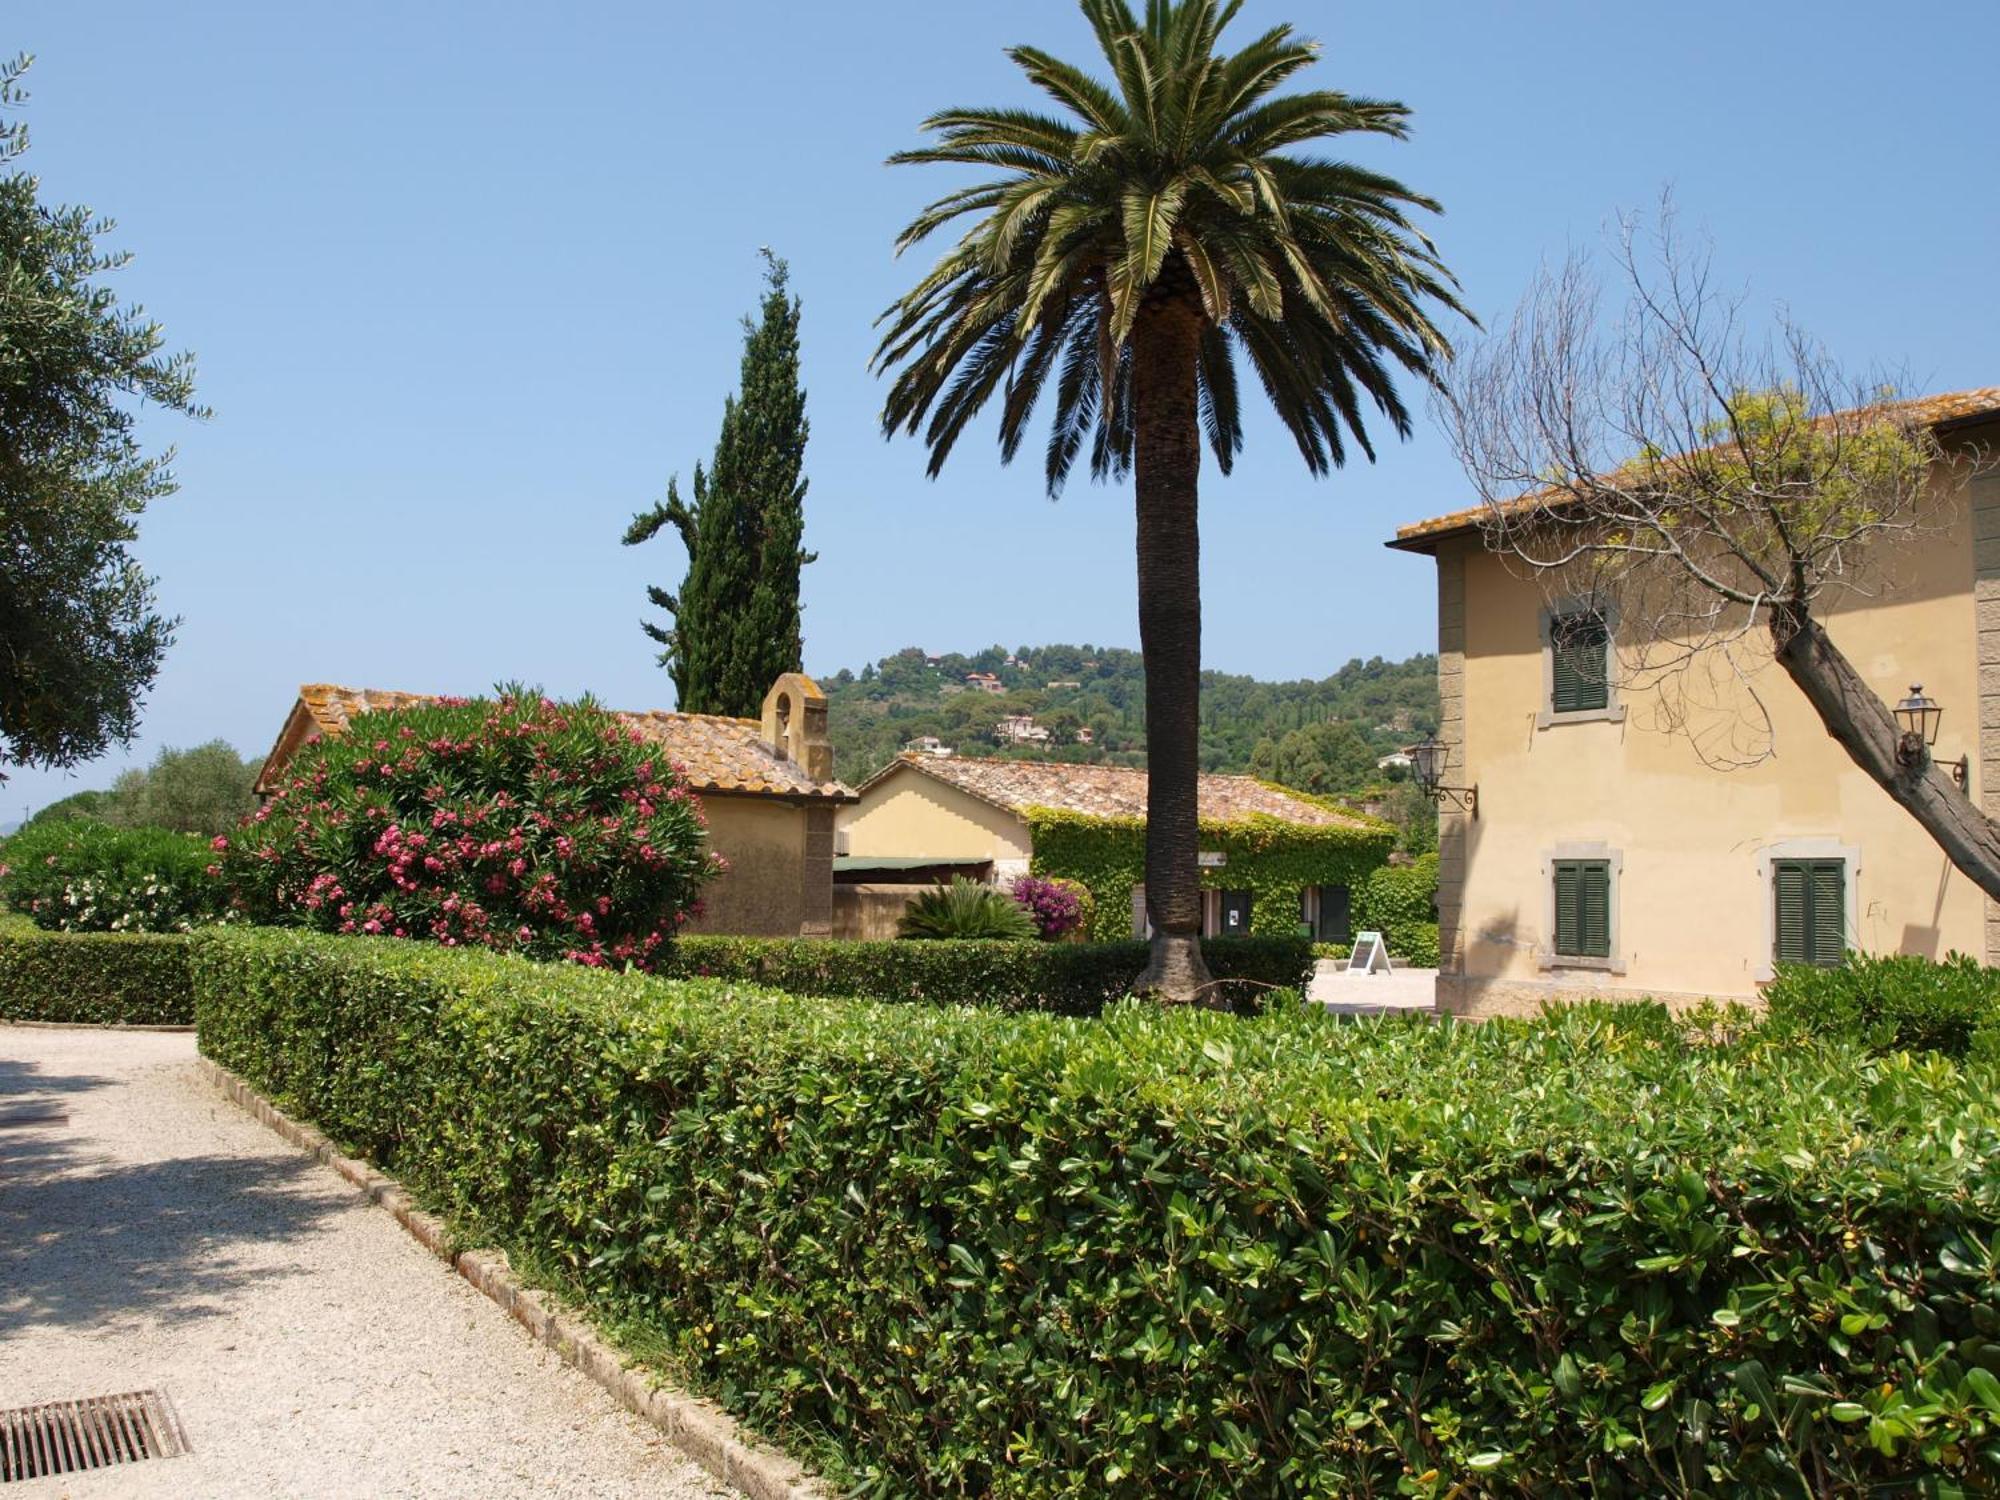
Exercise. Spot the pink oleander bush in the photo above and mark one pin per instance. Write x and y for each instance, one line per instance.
(551, 830)
(1056, 905)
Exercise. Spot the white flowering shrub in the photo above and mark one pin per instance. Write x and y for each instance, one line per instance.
(90, 877)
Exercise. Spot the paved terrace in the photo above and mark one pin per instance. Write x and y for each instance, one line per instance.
(1372, 994)
(159, 1237)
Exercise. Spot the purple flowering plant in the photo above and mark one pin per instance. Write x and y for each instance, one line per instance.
(1055, 905)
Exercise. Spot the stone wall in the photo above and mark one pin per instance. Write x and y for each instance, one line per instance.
(1452, 830)
(1984, 499)
(1480, 999)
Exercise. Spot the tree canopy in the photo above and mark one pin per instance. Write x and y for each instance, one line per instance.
(83, 637)
(1182, 175)
(206, 789)
(736, 622)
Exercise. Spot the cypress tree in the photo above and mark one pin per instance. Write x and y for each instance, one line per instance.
(735, 625)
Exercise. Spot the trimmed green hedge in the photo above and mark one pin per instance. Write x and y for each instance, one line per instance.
(1172, 1252)
(1071, 979)
(1400, 902)
(93, 978)
(1893, 1001)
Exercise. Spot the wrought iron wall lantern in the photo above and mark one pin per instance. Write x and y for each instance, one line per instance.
(1919, 716)
(1427, 763)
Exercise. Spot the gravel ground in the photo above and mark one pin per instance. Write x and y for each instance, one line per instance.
(160, 1237)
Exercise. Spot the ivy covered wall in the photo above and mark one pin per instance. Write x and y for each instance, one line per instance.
(1271, 859)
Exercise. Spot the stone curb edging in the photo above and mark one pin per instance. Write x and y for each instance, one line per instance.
(93, 1026)
(700, 1429)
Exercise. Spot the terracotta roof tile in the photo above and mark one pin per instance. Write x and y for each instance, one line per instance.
(1114, 791)
(1931, 411)
(718, 754)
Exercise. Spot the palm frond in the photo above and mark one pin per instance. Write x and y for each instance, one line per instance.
(1170, 187)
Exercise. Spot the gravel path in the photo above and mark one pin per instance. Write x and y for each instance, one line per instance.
(158, 1236)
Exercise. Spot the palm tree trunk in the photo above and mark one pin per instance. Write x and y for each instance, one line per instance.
(1166, 466)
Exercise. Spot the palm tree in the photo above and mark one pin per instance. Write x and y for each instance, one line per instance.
(1131, 253)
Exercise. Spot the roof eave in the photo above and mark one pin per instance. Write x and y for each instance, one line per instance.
(1425, 544)
(1423, 541)
(833, 797)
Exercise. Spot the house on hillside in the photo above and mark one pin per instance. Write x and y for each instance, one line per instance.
(1020, 729)
(1271, 861)
(984, 682)
(929, 744)
(1606, 858)
(767, 787)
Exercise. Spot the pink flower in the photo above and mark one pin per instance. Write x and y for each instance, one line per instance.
(219, 842)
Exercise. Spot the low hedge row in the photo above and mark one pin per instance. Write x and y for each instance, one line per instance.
(1071, 979)
(1173, 1252)
(94, 978)
(1894, 1001)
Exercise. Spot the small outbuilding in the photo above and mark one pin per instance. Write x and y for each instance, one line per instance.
(1272, 861)
(767, 787)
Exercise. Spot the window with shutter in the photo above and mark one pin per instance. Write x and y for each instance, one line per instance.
(1810, 897)
(1583, 908)
(1580, 662)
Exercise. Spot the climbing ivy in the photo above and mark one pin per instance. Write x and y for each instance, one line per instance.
(1272, 859)
(1400, 902)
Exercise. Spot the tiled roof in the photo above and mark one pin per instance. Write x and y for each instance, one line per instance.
(718, 754)
(1945, 410)
(1113, 791)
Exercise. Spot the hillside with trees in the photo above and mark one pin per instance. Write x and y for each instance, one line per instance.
(1321, 735)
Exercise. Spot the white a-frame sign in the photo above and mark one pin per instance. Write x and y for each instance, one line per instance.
(1369, 956)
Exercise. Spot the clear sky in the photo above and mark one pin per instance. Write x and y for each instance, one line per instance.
(464, 282)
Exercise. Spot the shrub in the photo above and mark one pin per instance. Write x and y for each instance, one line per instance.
(1171, 1252)
(1400, 902)
(966, 909)
(1077, 979)
(82, 876)
(1891, 1002)
(545, 829)
(1057, 906)
(93, 978)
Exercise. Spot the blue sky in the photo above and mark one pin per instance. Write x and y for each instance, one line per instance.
(464, 282)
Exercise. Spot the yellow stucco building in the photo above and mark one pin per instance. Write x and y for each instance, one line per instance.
(766, 785)
(1608, 857)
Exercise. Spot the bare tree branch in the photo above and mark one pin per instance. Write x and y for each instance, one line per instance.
(1713, 493)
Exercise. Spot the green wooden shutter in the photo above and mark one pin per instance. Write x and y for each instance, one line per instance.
(1579, 652)
(1827, 943)
(1568, 915)
(1583, 908)
(1594, 902)
(1791, 890)
(1811, 909)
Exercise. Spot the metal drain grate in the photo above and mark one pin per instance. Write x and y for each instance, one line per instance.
(63, 1437)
